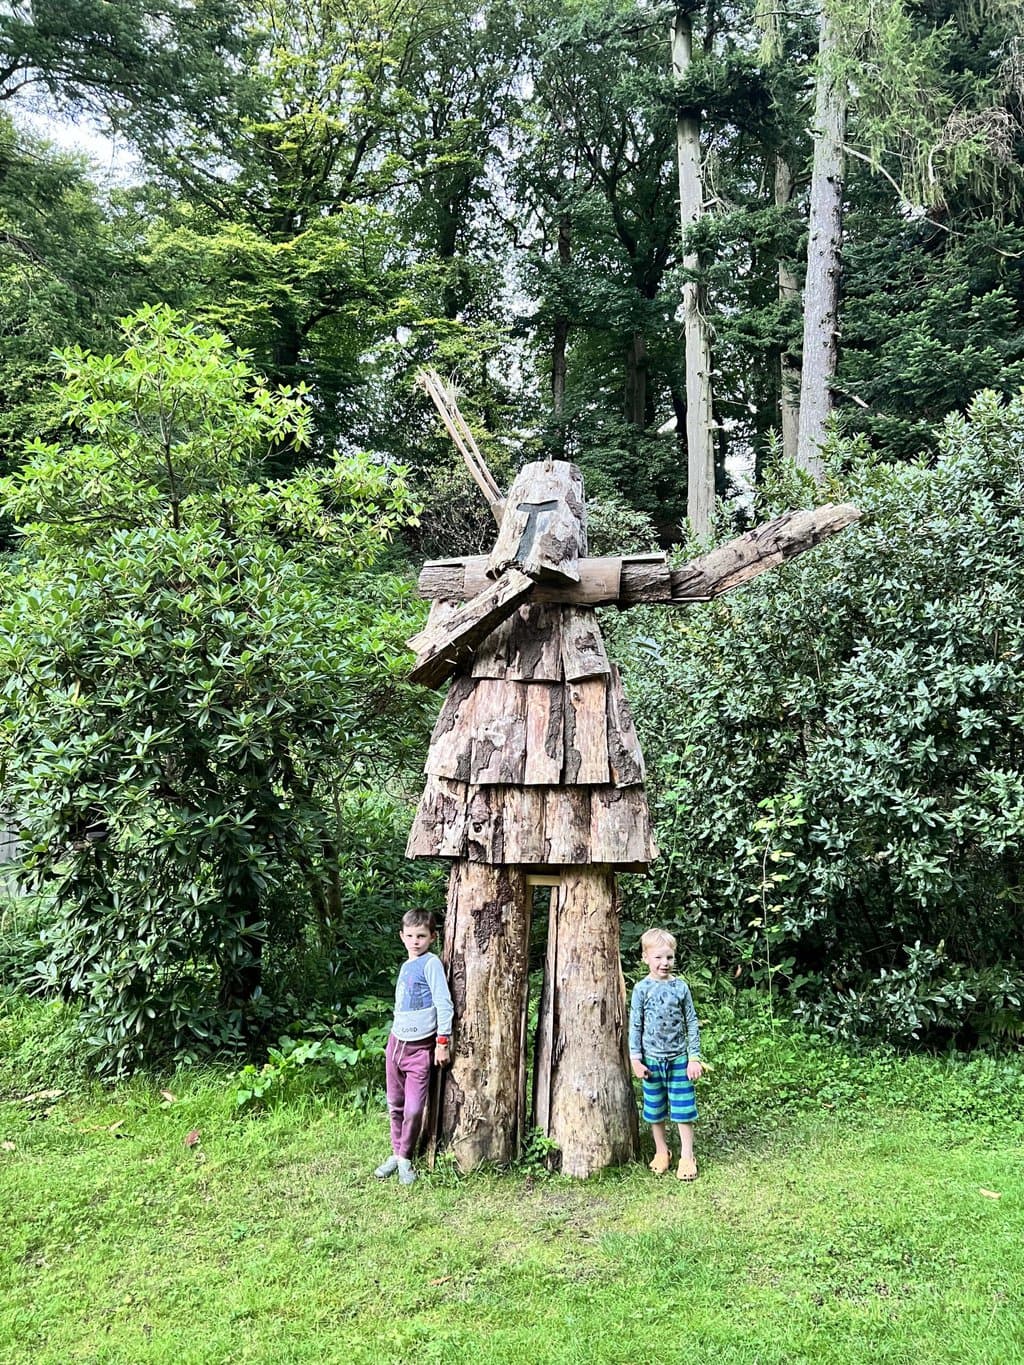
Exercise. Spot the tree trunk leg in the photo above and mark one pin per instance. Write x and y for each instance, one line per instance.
(486, 942)
(591, 1107)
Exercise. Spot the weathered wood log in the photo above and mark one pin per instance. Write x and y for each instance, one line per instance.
(527, 647)
(583, 654)
(439, 826)
(624, 753)
(603, 582)
(448, 639)
(585, 1100)
(763, 548)
(486, 941)
(544, 529)
(586, 733)
(647, 578)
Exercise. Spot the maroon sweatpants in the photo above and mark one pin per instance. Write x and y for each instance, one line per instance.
(407, 1073)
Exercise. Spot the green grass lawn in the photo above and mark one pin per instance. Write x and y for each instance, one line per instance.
(853, 1233)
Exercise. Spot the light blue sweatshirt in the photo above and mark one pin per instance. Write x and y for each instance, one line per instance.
(423, 1002)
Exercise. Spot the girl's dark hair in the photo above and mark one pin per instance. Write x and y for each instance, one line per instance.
(420, 919)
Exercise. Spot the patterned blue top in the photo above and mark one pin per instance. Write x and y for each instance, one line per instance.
(662, 1020)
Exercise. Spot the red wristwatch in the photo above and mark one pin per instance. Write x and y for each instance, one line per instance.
(442, 1040)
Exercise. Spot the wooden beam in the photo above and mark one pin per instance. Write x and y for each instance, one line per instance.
(443, 399)
(766, 546)
(634, 579)
(602, 582)
(448, 640)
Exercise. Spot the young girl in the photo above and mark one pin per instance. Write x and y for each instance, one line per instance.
(664, 1049)
(419, 1034)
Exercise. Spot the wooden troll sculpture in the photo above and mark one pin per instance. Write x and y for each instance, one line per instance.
(535, 777)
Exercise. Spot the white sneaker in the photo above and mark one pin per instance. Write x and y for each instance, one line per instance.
(406, 1171)
(387, 1168)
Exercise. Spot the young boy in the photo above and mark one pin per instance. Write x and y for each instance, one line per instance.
(664, 1048)
(420, 1033)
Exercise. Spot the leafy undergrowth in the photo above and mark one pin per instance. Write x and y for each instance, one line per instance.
(851, 1208)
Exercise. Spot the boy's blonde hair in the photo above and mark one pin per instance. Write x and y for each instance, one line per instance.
(657, 938)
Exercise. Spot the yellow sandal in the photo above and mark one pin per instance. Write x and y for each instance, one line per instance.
(662, 1161)
(687, 1169)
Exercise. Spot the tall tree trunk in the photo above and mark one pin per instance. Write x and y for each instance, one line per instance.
(789, 293)
(699, 445)
(486, 943)
(559, 359)
(824, 265)
(583, 1096)
(636, 382)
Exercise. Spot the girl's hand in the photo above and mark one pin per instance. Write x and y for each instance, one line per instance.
(694, 1070)
(639, 1069)
(441, 1055)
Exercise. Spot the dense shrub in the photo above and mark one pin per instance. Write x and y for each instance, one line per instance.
(838, 774)
(192, 680)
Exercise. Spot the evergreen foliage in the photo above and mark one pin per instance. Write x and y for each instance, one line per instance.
(839, 775)
(182, 690)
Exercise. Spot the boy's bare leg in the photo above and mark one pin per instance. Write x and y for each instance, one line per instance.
(662, 1156)
(687, 1166)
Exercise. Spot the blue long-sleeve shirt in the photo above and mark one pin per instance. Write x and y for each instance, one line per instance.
(663, 1020)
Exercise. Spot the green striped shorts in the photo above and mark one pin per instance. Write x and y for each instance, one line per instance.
(668, 1093)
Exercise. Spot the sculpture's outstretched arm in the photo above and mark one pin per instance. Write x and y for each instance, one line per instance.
(762, 548)
(444, 400)
(632, 579)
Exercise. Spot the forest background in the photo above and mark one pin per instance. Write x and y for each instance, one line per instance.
(220, 482)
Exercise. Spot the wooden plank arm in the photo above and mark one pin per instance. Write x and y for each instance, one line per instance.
(451, 637)
(634, 579)
(738, 561)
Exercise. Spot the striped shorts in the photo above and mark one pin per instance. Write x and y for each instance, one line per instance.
(667, 1091)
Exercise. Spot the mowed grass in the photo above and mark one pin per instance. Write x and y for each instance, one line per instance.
(857, 1233)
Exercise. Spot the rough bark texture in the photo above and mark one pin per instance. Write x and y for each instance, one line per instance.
(487, 929)
(544, 529)
(582, 1090)
(526, 648)
(824, 262)
(442, 644)
(538, 826)
(763, 548)
(700, 491)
